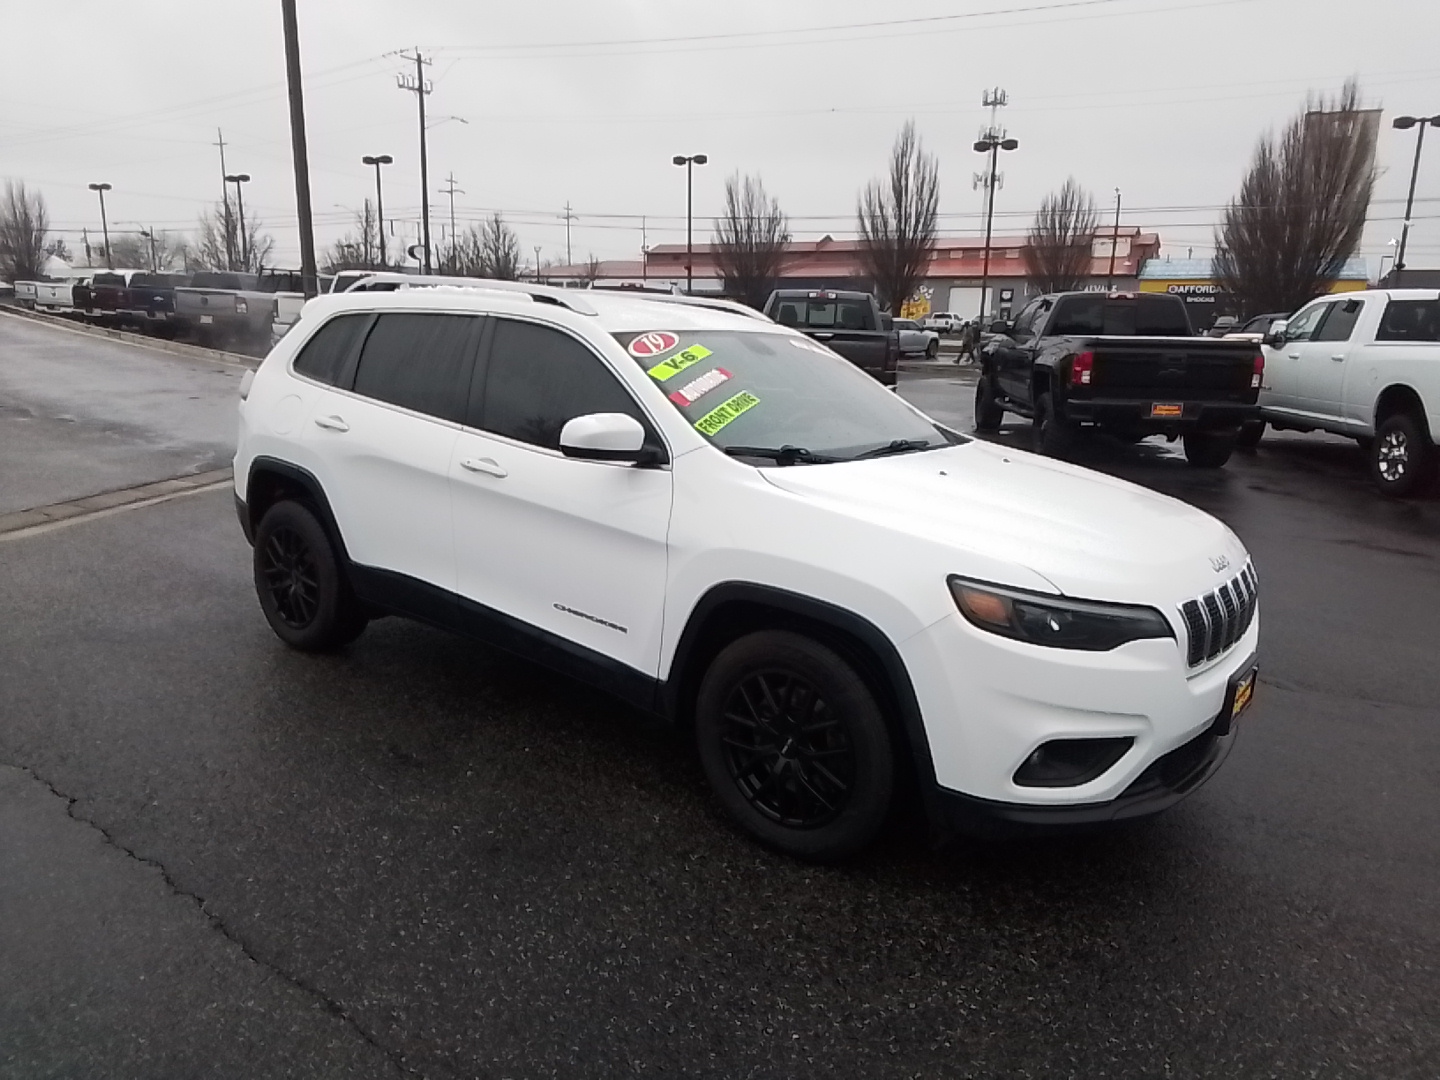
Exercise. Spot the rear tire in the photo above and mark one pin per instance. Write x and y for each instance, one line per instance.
(1251, 432)
(794, 746)
(1054, 436)
(1402, 459)
(300, 582)
(932, 349)
(1208, 449)
(989, 413)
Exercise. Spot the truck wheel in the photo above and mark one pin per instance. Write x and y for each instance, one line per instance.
(1402, 460)
(1208, 449)
(1054, 435)
(989, 413)
(932, 349)
(300, 582)
(1251, 432)
(795, 746)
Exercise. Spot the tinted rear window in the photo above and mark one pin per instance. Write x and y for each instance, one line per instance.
(109, 279)
(210, 279)
(324, 356)
(421, 362)
(1128, 316)
(812, 314)
(157, 281)
(1410, 320)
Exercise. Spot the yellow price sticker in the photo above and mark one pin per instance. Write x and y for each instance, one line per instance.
(725, 412)
(686, 357)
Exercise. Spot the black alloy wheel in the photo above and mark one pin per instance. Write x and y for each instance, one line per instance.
(989, 413)
(1054, 436)
(794, 745)
(932, 348)
(1401, 457)
(1208, 449)
(786, 750)
(292, 576)
(300, 581)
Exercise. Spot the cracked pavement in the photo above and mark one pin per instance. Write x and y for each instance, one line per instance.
(417, 856)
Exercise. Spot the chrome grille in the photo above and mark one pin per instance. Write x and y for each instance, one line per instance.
(1216, 621)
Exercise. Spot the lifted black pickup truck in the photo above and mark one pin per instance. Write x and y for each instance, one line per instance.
(851, 323)
(1127, 364)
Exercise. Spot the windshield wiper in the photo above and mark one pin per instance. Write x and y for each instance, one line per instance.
(897, 446)
(782, 455)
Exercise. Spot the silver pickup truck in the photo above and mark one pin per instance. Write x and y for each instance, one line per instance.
(219, 305)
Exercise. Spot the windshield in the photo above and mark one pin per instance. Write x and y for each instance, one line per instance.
(757, 394)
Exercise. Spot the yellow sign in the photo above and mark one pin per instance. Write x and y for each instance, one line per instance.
(722, 414)
(678, 363)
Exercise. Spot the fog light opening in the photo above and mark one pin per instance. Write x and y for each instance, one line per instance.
(1071, 762)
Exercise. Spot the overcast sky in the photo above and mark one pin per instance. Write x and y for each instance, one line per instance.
(586, 101)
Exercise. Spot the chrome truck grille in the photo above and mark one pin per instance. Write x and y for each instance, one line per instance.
(1218, 619)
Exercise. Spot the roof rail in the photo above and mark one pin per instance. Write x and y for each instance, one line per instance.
(540, 294)
(709, 302)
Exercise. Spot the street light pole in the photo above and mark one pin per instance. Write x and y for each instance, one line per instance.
(1114, 243)
(149, 234)
(537, 264)
(992, 144)
(689, 162)
(104, 225)
(377, 161)
(1403, 123)
(237, 179)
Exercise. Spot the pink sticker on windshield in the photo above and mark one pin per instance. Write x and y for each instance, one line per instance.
(694, 390)
(654, 343)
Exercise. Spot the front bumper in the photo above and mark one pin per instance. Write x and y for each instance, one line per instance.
(1135, 414)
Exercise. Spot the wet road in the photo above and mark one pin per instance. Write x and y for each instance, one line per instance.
(419, 857)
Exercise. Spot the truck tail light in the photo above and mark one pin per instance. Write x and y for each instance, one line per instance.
(242, 306)
(1082, 369)
(1258, 373)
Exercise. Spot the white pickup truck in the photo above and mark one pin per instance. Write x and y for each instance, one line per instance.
(1367, 365)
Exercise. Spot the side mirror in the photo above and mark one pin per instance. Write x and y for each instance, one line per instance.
(603, 437)
(1276, 336)
(999, 326)
(887, 322)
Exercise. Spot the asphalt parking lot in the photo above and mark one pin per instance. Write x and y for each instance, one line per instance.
(421, 857)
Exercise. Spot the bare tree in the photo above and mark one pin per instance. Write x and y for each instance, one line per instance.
(1301, 207)
(750, 239)
(24, 222)
(490, 251)
(593, 267)
(1057, 250)
(217, 246)
(897, 220)
(359, 250)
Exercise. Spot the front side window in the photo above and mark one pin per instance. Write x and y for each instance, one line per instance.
(1025, 321)
(1410, 320)
(420, 361)
(779, 398)
(1339, 324)
(1302, 327)
(540, 378)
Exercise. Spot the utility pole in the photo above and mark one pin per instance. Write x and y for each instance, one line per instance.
(1114, 243)
(100, 190)
(308, 277)
(149, 234)
(569, 217)
(225, 202)
(537, 264)
(451, 190)
(420, 86)
(644, 251)
(992, 140)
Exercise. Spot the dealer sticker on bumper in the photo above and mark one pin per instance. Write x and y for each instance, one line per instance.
(1166, 408)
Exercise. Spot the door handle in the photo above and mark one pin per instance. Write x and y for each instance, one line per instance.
(488, 466)
(331, 423)
(1338, 356)
(1293, 355)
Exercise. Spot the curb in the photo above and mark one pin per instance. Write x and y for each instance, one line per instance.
(126, 337)
(24, 520)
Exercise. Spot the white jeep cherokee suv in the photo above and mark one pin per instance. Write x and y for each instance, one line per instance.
(722, 522)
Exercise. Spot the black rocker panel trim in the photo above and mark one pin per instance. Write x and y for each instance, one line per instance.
(404, 595)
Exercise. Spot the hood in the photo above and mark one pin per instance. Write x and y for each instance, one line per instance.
(1088, 534)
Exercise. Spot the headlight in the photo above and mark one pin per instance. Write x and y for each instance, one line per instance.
(1041, 619)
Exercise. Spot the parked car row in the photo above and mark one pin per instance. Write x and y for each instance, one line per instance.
(1363, 364)
(217, 307)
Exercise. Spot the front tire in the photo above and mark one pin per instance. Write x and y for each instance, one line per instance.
(795, 746)
(1402, 459)
(989, 413)
(300, 583)
(1208, 449)
(932, 349)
